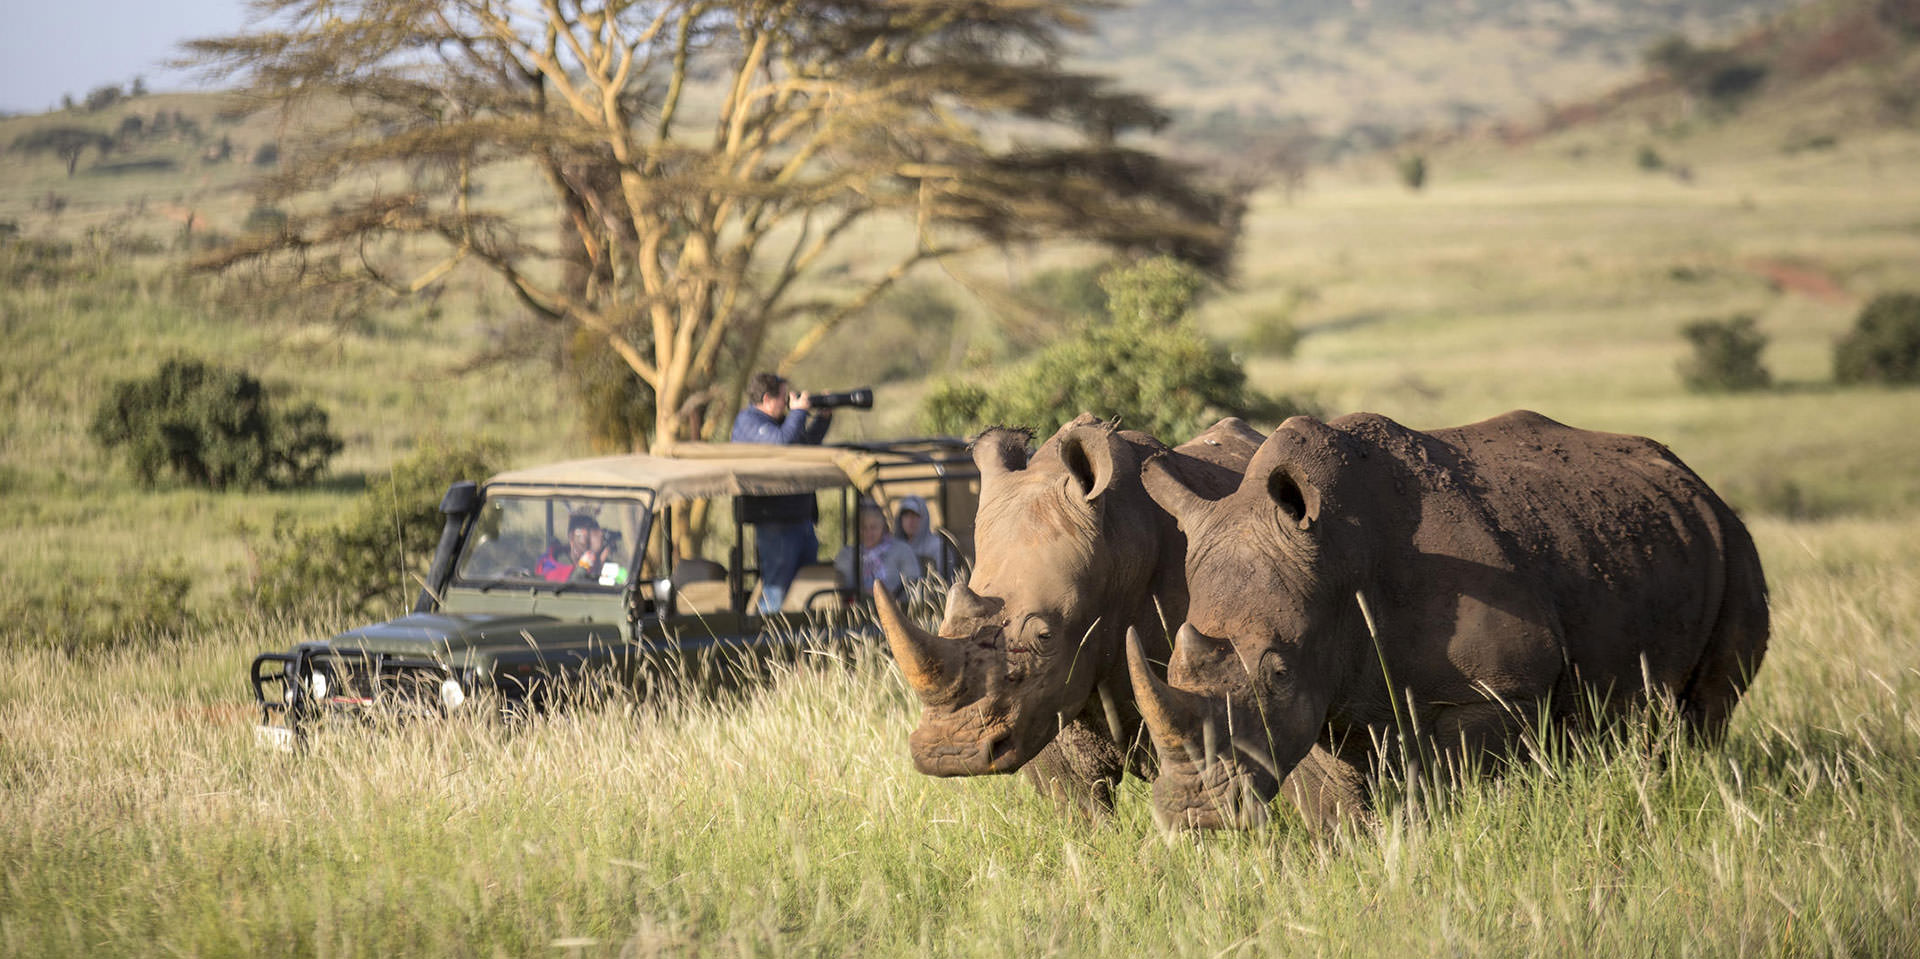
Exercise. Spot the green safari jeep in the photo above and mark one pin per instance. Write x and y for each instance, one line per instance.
(508, 617)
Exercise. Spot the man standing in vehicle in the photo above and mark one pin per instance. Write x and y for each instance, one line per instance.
(783, 535)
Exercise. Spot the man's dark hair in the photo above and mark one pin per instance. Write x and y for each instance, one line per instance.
(582, 521)
(764, 385)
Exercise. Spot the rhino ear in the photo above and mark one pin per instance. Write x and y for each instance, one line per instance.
(1290, 468)
(1095, 456)
(1170, 491)
(1001, 450)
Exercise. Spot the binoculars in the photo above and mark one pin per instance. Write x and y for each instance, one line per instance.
(860, 399)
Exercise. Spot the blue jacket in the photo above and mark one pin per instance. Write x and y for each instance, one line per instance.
(798, 429)
(755, 426)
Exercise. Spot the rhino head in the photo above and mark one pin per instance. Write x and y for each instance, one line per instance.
(1065, 547)
(1270, 634)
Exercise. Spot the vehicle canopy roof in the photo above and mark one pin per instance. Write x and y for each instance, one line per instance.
(690, 471)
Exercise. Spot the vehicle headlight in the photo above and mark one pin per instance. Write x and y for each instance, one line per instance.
(451, 695)
(317, 684)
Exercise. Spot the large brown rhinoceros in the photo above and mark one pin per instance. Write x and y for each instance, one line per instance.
(1496, 573)
(1027, 670)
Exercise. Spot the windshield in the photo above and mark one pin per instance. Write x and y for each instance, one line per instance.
(576, 541)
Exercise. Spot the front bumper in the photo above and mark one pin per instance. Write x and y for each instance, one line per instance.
(295, 689)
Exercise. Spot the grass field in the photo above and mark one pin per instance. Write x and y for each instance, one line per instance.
(136, 818)
(141, 820)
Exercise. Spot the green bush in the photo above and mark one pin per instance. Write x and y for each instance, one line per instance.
(374, 557)
(1075, 291)
(214, 427)
(1726, 356)
(139, 604)
(1884, 345)
(1273, 334)
(1413, 171)
(1146, 366)
(954, 408)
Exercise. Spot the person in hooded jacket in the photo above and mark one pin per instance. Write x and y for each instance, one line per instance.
(914, 527)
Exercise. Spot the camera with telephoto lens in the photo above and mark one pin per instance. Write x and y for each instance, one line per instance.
(860, 399)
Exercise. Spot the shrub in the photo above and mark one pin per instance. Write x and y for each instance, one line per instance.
(374, 556)
(1146, 366)
(1884, 345)
(1413, 171)
(1075, 291)
(214, 427)
(954, 408)
(1273, 334)
(140, 603)
(1726, 356)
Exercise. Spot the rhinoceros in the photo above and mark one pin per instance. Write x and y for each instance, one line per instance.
(1027, 670)
(1479, 578)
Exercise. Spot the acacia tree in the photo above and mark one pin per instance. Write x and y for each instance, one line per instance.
(706, 157)
(67, 143)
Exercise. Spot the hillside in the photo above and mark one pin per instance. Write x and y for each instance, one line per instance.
(1357, 73)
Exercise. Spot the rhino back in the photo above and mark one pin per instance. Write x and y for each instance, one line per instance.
(1625, 544)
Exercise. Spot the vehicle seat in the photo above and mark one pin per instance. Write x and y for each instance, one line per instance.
(813, 580)
(700, 586)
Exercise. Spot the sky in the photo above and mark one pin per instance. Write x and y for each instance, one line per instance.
(54, 47)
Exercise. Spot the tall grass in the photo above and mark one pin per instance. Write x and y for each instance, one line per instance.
(139, 819)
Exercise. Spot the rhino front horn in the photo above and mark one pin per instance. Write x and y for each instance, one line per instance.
(1173, 716)
(926, 661)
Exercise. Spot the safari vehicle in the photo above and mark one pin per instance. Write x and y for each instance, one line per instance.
(505, 616)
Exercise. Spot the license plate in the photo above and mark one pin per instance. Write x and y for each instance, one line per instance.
(273, 737)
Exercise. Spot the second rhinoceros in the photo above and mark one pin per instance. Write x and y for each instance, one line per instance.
(1366, 577)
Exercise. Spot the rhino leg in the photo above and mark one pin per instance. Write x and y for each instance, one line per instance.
(1329, 790)
(1079, 769)
(1478, 737)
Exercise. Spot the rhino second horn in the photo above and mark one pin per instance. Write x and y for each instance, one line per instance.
(1173, 716)
(925, 660)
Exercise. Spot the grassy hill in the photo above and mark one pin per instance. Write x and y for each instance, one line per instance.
(1359, 73)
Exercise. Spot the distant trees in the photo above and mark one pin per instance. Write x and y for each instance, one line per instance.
(708, 159)
(69, 143)
(1720, 75)
(102, 97)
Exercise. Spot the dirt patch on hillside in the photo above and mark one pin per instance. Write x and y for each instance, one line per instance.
(1800, 276)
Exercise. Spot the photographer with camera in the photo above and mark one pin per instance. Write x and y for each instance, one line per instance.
(775, 414)
(783, 535)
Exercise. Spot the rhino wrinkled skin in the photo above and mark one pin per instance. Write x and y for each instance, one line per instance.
(1027, 670)
(1491, 571)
